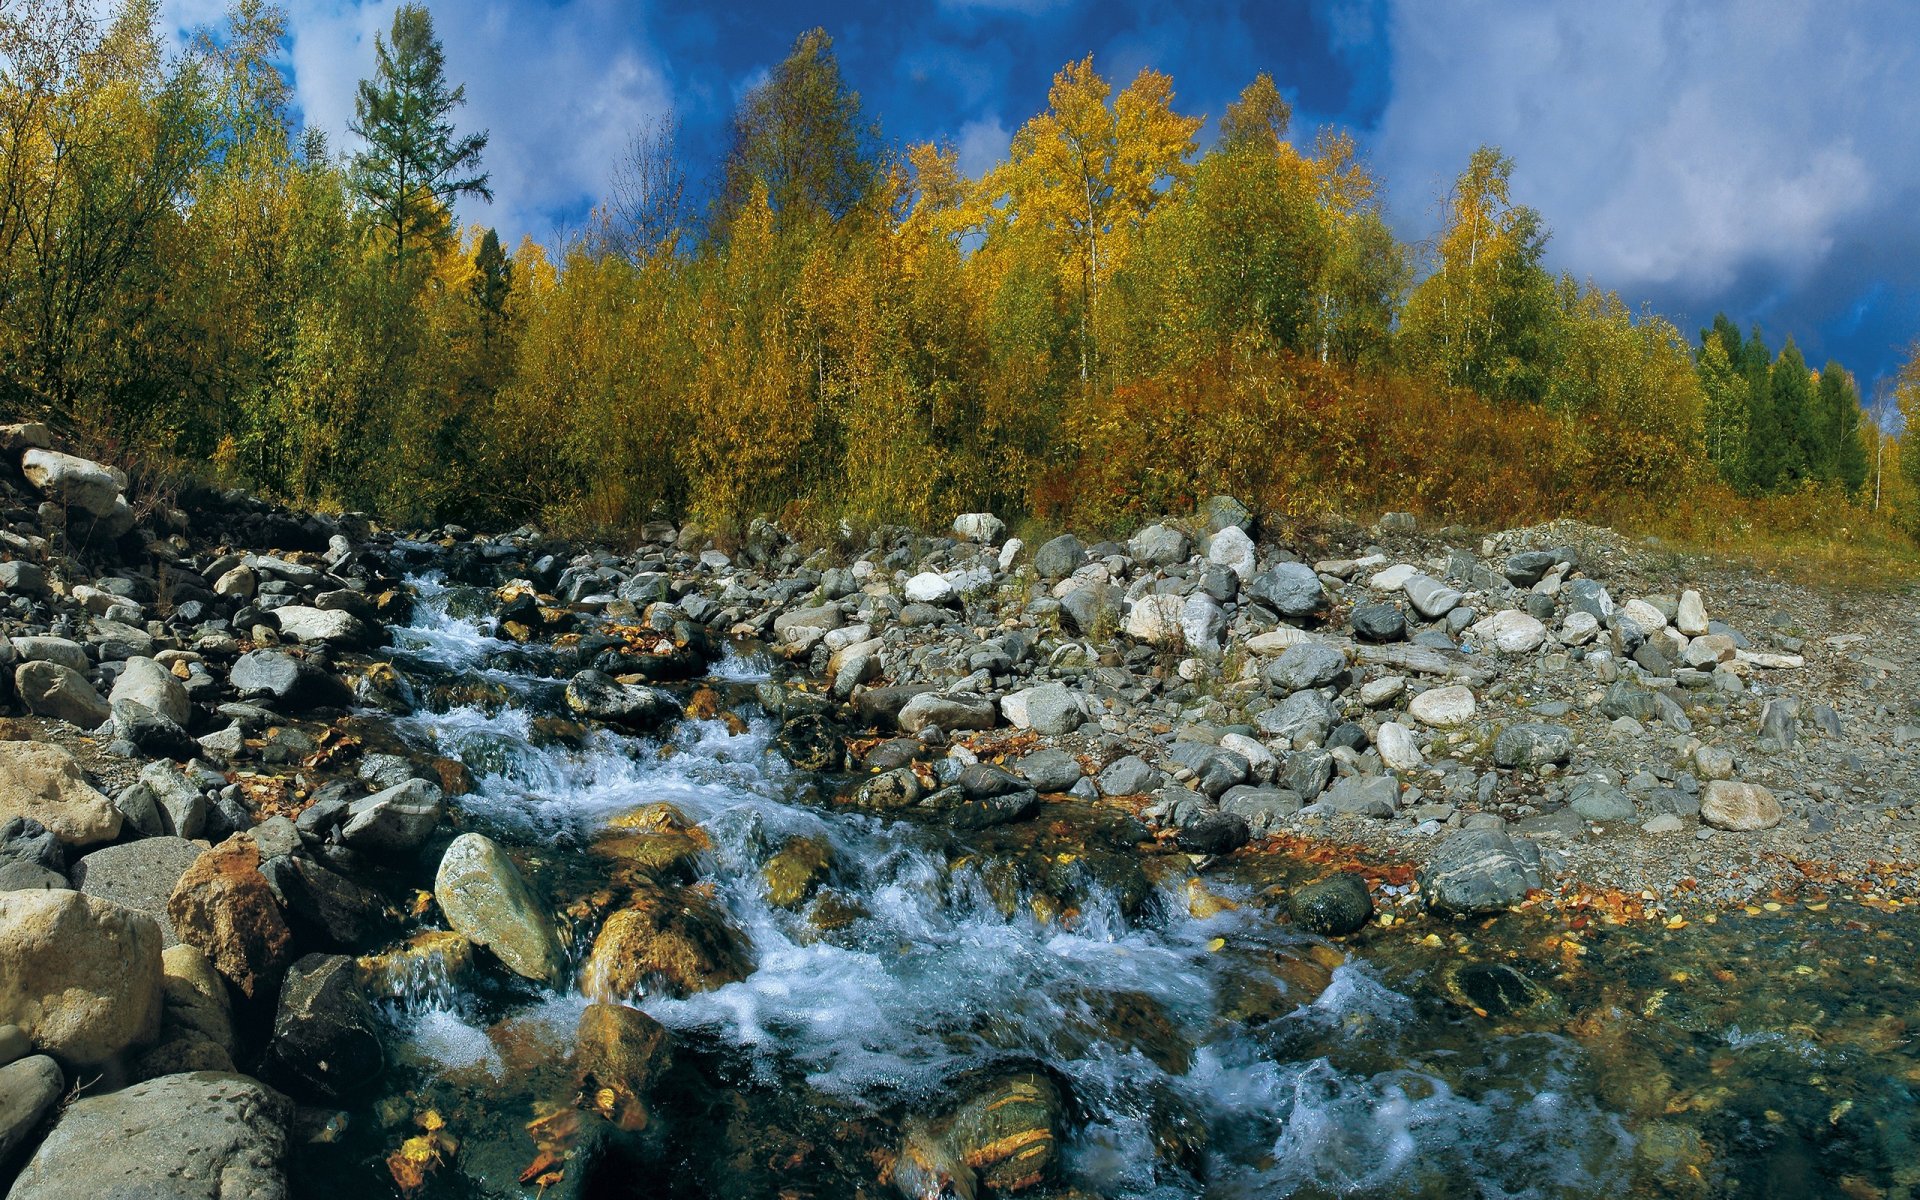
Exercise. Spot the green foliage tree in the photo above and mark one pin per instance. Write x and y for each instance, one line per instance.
(1724, 395)
(1840, 456)
(414, 165)
(802, 138)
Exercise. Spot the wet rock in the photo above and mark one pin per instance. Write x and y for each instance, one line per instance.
(80, 975)
(948, 712)
(139, 875)
(41, 782)
(198, 1136)
(1332, 907)
(29, 1088)
(1213, 833)
(598, 695)
(889, 791)
(797, 871)
(677, 943)
(1741, 807)
(1443, 707)
(1494, 989)
(619, 1047)
(1003, 1139)
(1301, 667)
(396, 820)
(326, 1038)
(1533, 744)
(483, 897)
(1290, 589)
(51, 690)
(1475, 871)
(223, 906)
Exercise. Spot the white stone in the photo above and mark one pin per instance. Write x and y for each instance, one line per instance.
(1202, 621)
(1258, 757)
(1648, 619)
(1277, 639)
(1692, 617)
(1397, 747)
(1376, 692)
(1432, 598)
(77, 482)
(1769, 660)
(929, 587)
(1155, 619)
(1233, 549)
(1393, 578)
(1579, 628)
(1444, 707)
(984, 528)
(319, 624)
(846, 635)
(1009, 552)
(1510, 631)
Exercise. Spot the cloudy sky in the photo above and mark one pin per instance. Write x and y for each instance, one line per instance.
(1756, 156)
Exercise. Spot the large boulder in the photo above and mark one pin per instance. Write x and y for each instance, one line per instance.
(79, 974)
(41, 782)
(1060, 557)
(1335, 906)
(1476, 871)
(1002, 1138)
(140, 875)
(224, 906)
(326, 1038)
(1510, 631)
(484, 898)
(51, 690)
(984, 528)
(196, 1025)
(1290, 589)
(200, 1136)
(75, 482)
(150, 685)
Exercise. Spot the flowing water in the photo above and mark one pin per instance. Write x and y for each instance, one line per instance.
(1220, 1055)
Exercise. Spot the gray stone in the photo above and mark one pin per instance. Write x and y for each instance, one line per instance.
(1212, 833)
(1089, 608)
(1309, 666)
(1363, 795)
(199, 1136)
(1590, 597)
(23, 579)
(1263, 809)
(1289, 589)
(1129, 776)
(1053, 710)
(1533, 744)
(1379, 622)
(1528, 567)
(1159, 546)
(984, 528)
(150, 685)
(1475, 871)
(1214, 770)
(1780, 722)
(598, 695)
(1431, 598)
(1307, 773)
(1303, 716)
(395, 821)
(294, 682)
(182, 806)
(1050, 770)
(948, 712)
(139, 875)
(1202, 622)
(486, 901)
(326, 1038)
(29, 1088)
(1060, 557)
(1598, 800)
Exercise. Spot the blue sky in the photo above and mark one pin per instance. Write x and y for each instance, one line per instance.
(1757, 156)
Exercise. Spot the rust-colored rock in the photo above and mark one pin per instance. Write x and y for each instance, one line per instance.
(618, 1053)
(223, 906)
(672, 942)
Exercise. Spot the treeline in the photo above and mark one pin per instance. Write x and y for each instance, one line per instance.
(1108, 323)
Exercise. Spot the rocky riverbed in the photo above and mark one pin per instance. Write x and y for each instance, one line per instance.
(1207, 861)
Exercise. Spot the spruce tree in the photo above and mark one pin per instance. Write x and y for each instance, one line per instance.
(1761, 458)
(1842, 456)
(1790, 385)
(414, 165)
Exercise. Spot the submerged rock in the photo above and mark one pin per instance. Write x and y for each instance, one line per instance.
(1332, 907)
(672, 942)
(1003, 1139)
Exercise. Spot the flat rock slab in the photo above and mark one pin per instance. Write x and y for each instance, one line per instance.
(139, 875)
(199, 1136)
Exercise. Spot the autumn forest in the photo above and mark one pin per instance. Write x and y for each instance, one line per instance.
(1139, 307)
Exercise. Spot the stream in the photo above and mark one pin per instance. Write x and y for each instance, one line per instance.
(1199, 1045)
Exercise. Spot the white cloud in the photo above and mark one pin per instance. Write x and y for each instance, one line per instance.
(983, 142)
(1676, 148)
